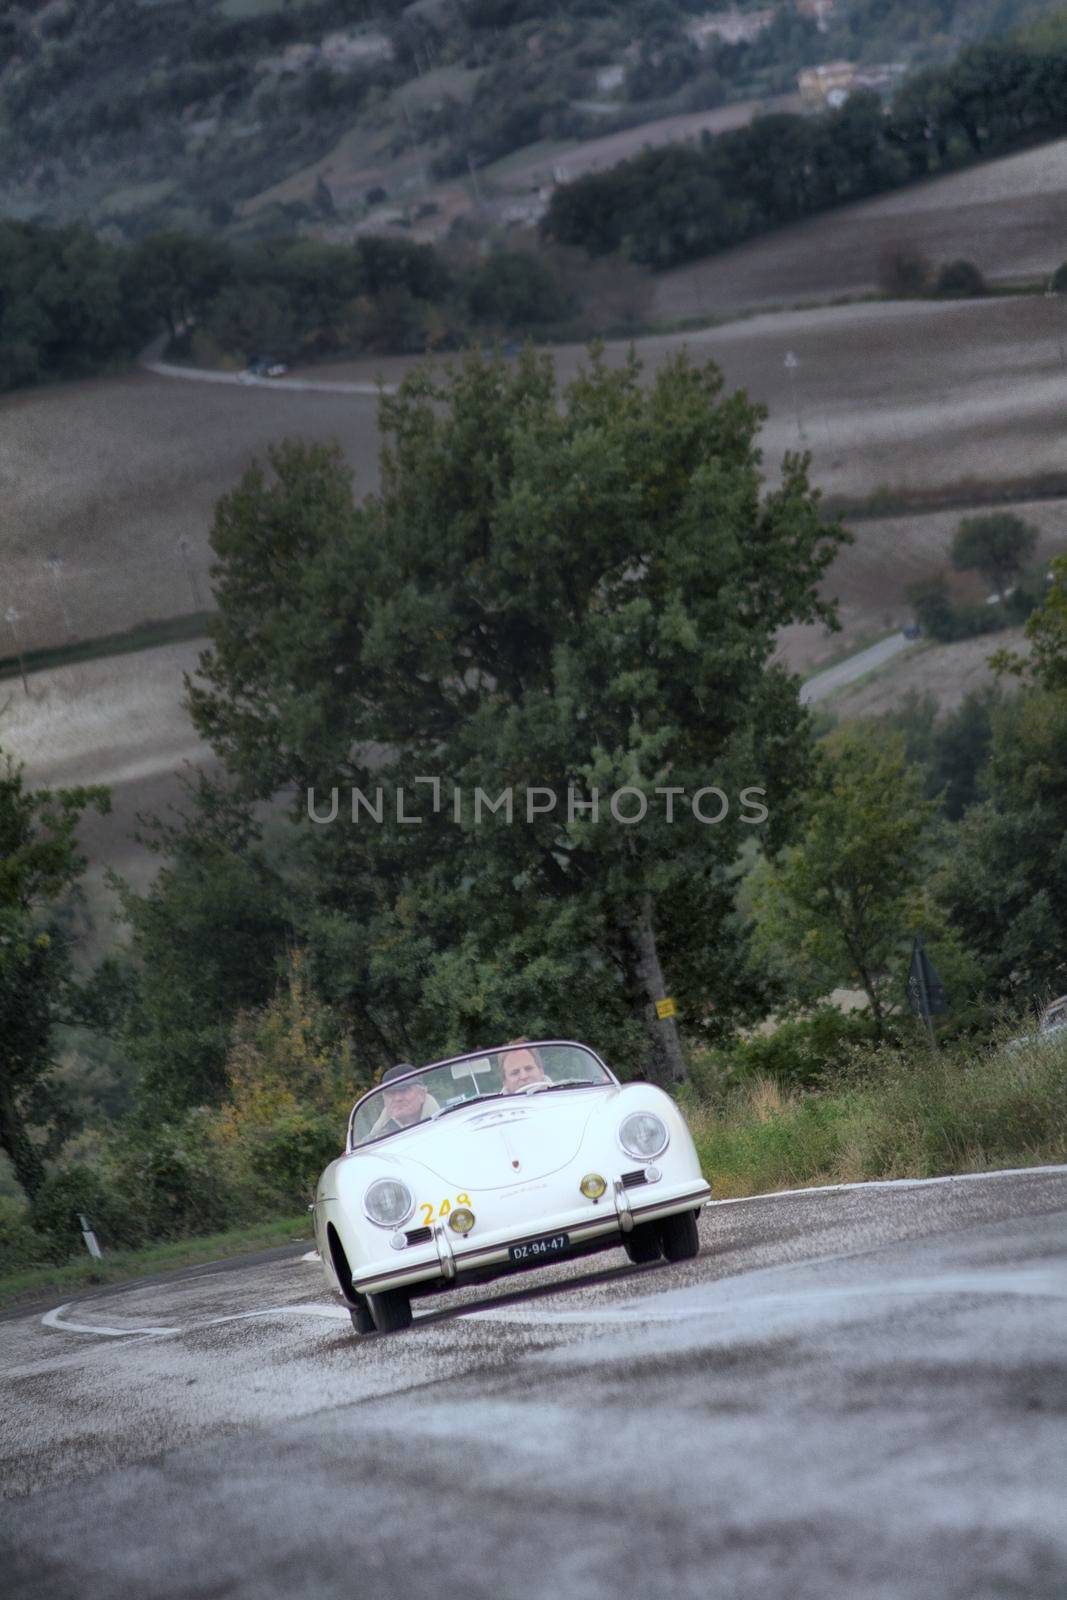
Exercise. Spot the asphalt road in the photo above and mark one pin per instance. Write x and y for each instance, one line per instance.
(857, 666)
(851, 1393)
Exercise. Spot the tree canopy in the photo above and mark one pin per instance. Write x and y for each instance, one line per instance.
(39, 863)
(998, 545)
(575, 594)
(839, 906)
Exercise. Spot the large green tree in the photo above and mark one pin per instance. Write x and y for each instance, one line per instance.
(39, 864)
(841, 905)
(997, 544)
(564, 593)
(1006, 881)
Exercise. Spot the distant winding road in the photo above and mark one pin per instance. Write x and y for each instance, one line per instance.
(857, 666)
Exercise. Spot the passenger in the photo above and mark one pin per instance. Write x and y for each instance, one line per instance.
(520, 1067)
(405, 1105)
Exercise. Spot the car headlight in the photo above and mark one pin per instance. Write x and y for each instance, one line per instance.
(643, 1135)
(388, 1202)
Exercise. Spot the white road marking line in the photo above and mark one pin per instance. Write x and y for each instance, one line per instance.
(54, 1319)
(884, 1183)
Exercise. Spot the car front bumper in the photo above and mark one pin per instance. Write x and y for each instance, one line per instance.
(453, 1259)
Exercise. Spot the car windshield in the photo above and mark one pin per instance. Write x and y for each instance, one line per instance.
(509, 1070)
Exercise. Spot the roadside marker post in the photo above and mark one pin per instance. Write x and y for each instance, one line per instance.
(90, 1238)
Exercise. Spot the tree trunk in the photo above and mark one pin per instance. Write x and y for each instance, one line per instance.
(29, 1169)
(667, 1065)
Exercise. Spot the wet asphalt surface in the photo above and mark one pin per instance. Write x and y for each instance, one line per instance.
(851, 1394)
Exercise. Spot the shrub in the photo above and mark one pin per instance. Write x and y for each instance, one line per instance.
(801, 1052)
(171, 1176)
(960, 279)
(20, 1243)
(292, 1083)
(516, 289)
(903, 272)
(80, 1189)
(932, 605)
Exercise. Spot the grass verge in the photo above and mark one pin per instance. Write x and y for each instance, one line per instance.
(906, 1113)
(120, 1266)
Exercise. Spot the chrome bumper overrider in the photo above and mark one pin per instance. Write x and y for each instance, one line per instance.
(447, 1259)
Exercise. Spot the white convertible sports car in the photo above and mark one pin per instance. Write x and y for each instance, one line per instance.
(496, 1162)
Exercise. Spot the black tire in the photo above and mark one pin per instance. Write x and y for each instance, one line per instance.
(391, 1310)
(642, 1244)
(362, 1320)
(680, 1236)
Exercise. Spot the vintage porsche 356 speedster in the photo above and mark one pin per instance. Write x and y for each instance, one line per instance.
(496, 1162)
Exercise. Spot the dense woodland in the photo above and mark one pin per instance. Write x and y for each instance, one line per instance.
(677, 202)
(71, 304)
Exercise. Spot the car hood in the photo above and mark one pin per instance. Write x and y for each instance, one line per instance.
(494, 1144)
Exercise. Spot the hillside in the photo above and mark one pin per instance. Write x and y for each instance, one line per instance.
(335, 115)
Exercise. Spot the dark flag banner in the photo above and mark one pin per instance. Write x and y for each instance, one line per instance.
(926, 992)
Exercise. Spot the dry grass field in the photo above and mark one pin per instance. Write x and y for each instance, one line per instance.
(947, 671)
(119, 722)
(110, 475)
(1007, 216)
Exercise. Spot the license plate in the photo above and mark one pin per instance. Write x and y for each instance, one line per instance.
(536, 1248)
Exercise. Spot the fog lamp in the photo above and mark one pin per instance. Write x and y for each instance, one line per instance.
(461, 1220)
(592, 1186)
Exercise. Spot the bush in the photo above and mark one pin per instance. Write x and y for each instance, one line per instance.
(903, 273)
(80, 1189)
(799, 1053)
(515, 290)
(932, 604)
(937, 616)
(170, 1174)
(20, 1243)
(960, 279)
(287, 1157)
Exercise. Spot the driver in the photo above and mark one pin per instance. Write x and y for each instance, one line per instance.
(405, 1105)
(520, 1065)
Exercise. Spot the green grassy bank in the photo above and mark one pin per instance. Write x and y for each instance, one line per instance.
(900, 1114)
(121, 1266)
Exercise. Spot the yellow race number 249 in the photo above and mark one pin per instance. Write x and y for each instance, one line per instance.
(429, 1215)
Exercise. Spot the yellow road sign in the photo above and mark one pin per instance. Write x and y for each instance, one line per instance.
(665, 1008)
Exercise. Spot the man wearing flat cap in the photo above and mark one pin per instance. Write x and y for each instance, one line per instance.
(405, 1105)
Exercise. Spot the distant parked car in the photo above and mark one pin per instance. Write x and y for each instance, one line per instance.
(265, 367)
(912, 631)
(1053, 1024)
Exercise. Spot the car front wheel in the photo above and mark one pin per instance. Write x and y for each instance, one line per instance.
(390, 1310)
(680, 1236)
(362, 1320)
(642, 1244)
